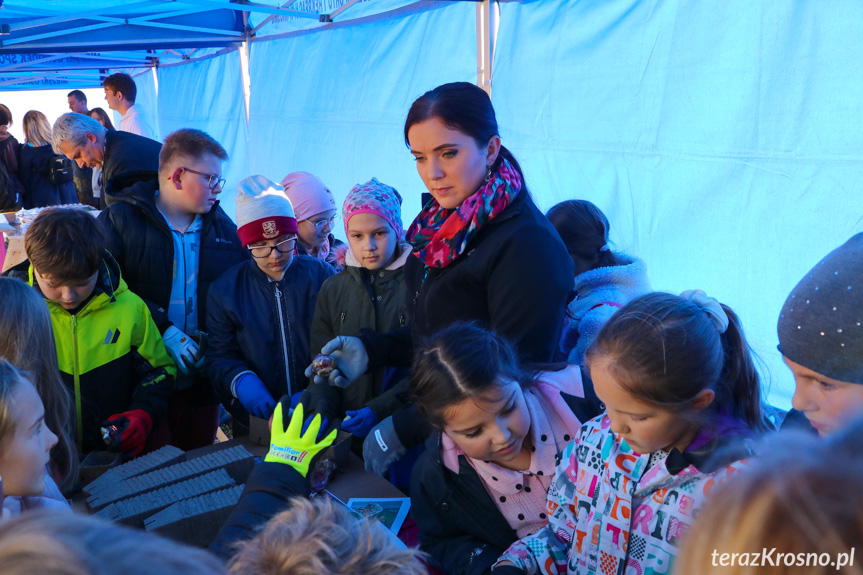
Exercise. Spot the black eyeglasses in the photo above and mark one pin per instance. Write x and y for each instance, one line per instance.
(213, 180)
(265, 251)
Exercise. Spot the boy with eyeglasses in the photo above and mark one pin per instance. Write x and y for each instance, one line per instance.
(260, 312)
(172, 240)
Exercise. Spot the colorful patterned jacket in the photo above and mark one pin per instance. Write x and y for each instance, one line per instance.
(610, 516)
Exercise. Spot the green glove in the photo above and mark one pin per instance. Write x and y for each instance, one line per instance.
(297, 445)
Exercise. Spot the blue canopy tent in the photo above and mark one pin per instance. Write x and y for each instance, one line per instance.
(48, 44)
(723, 140)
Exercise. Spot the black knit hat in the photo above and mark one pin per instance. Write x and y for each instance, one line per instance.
(821, 323)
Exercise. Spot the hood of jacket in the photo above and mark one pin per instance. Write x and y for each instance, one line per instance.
(629, 279)
(346, 258)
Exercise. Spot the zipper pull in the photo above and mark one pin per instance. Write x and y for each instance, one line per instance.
(278, 292)
(402, 319)
(74, 324)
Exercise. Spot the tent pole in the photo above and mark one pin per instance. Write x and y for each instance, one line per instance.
(244, 67)
(486, 35)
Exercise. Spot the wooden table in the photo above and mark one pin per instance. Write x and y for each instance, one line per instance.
(355, 481)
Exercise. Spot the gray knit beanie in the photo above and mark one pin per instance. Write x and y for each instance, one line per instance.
(821, 323)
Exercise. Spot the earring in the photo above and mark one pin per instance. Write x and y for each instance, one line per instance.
(488, 173)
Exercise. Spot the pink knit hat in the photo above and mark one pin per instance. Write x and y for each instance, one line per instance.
(374, 197)
(263, 211)
(308, 194)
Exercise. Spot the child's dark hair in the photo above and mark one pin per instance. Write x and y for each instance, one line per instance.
(665, 349)
(464, 107)
(65, 245)
(5, 116)
(584, 230)
(461, 362)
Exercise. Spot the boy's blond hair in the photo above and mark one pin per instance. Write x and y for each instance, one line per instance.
(319, 538)
(802, 498)
(55, 543)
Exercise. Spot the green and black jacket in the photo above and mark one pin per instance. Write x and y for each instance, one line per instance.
(111, 356)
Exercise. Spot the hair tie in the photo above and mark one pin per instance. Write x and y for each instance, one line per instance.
(712, 307)
(604, 248)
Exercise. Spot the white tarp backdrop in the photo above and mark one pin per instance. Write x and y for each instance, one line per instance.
(722, 139)
(208, 95)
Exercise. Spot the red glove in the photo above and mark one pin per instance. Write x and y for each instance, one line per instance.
(135, 425)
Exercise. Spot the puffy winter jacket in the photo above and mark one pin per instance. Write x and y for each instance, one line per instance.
(355, 299)
(140, 240)
(611, 513)
(111, 356)
(129, 159)
(259, 325)
(33, 170)
(515, 277)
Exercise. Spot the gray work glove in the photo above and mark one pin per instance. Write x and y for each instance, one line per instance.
(382, 447)
(351, 361)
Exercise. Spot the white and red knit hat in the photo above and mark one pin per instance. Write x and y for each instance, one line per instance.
(264, 212)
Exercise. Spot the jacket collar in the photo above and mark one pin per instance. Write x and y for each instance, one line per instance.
(724, 440)
(718, 445)
(142, 195)
(404, 251)
(266, 280)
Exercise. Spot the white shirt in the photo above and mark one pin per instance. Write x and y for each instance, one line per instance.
(136, 122)
(97, 186)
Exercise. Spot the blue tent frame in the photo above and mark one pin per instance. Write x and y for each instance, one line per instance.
(77, 43)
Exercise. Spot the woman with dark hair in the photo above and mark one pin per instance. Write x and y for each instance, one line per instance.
(482, 251)
(102, 117)
(10, 186)
(604, 280)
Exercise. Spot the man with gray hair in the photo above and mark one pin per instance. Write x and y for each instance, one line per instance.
(124, 158)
